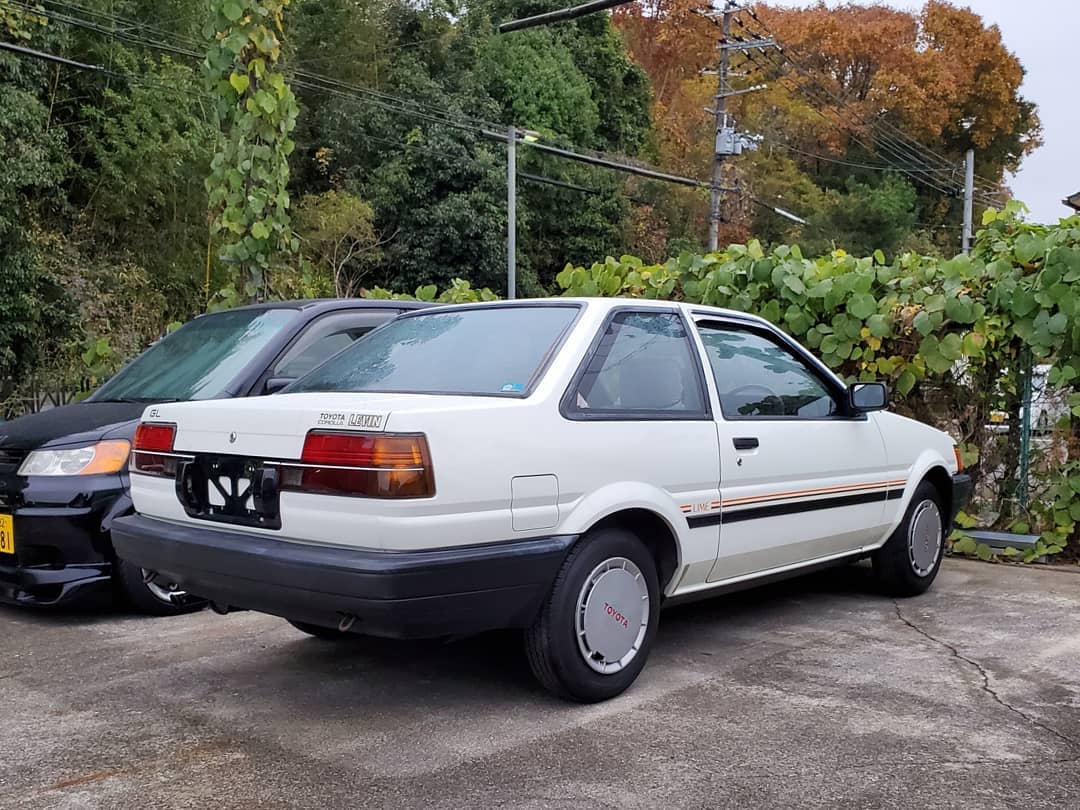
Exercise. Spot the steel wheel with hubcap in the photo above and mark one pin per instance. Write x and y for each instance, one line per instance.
(607, 637)
(593, 633)
(910, 559)
(925, 538)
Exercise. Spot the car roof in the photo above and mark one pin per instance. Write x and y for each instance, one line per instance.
(615, 303)
(314, 305)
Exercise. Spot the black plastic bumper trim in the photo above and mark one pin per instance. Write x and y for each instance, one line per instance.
(445, 591)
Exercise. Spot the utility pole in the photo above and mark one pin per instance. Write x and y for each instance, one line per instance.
(728, 141)
(721, 125)
(511, 212)
(969, 193)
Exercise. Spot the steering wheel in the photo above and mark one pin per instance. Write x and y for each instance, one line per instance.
(770, 395)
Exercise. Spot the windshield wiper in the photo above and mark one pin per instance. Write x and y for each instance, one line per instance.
(139, 400)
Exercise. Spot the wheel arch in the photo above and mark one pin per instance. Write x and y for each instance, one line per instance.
(654, 531)
(940, 478)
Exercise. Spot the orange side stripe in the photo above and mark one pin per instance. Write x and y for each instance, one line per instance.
(778, 496)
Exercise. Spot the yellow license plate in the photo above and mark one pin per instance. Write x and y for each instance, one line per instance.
(7, 534)
(997, 418)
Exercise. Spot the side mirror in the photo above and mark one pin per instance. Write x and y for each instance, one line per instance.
(275, 384)
(866, 397)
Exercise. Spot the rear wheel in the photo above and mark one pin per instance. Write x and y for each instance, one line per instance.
(909, 561)
(593, 634)
(153, 595)
(320, 632)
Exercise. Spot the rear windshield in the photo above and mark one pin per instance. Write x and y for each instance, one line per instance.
(489, 351)
(200, 359)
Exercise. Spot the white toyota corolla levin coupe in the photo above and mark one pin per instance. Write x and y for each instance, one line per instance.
(563, 466)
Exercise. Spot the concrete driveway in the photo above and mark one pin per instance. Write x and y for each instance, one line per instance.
(815, 693)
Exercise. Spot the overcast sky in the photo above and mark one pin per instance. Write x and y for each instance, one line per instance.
(1045, 35)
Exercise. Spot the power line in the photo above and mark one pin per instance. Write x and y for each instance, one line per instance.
(880, 167)
(397, 104)
(551, 181)
(49, 57)
(902, 159)
(900, 138)
(561, 15)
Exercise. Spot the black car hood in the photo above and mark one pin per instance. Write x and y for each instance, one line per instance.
(70, 424)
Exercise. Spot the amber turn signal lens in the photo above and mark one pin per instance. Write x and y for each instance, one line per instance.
(959, 460)
(109, 457)
(372, 465)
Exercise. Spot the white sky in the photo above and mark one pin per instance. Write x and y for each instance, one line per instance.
(1045, 35)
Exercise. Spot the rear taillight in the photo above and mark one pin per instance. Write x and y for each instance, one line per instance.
(372, 465)
(152, 452)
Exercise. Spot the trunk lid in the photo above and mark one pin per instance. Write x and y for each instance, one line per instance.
(275, 426)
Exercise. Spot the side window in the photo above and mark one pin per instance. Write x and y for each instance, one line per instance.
(755, 376)
(643, 367)
(324, 338)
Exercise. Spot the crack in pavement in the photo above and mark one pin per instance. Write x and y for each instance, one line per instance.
(985, 686)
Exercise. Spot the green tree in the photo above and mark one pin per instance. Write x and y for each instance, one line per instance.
(36, 314)
(337, 229)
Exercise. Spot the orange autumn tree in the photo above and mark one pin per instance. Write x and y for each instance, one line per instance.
(825, 123)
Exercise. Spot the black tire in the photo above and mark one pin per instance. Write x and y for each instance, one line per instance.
(903, 564)
(552, 644)
(134, 591)
(322, 633)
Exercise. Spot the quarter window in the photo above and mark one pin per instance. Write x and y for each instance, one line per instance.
(757, 377)
(643, 367)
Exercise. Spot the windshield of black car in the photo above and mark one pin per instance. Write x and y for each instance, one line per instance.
(488, 351)
(200, 359)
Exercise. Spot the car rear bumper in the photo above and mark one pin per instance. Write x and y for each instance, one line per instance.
(961, 494)
(441, 592)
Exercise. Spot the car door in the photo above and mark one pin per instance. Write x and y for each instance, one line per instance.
(800, 479)
(638, 413)
(317, 342)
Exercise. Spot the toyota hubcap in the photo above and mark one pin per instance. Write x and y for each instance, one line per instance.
(925, 538)
(612, 615)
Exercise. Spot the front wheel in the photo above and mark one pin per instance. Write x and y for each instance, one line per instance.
(152, 594)
(592, 636)
(909, 561)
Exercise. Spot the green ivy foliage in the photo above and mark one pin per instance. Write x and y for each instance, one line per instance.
(256, 108)
(459, 292)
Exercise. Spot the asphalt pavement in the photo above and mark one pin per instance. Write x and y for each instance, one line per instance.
(814, 693)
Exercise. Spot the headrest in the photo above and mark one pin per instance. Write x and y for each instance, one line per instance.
(649, 383)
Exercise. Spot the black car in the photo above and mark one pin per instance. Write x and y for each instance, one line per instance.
(63, 472)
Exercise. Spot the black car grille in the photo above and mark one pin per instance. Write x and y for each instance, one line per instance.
(10, 460)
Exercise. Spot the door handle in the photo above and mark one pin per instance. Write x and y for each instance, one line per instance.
(745, 442)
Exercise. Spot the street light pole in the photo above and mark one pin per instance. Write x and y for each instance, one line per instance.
(511, 212)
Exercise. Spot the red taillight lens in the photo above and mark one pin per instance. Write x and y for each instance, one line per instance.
(363, 464)
(155, 437)
(152, 440)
